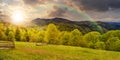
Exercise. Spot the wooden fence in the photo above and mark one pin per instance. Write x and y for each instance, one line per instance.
(7, 44)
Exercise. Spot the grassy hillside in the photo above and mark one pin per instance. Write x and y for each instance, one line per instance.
(29, 51)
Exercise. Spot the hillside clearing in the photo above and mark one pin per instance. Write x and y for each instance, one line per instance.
(29, 51)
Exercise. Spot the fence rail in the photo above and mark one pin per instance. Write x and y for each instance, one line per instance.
(7, 44)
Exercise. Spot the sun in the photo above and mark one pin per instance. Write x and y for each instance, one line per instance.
(18, 17)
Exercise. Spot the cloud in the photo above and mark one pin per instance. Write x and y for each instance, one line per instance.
(39, 2)
(98, 5)
(2, 4)
(58, 12)
(115, 4)
(38, 8)
(33, 2)
(3, 17)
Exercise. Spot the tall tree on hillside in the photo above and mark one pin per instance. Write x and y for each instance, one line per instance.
(41, 37)
(1, 26)
(23, 35)
(76, 38)
(27, 35)
(115, 46)
(100, 45)
(110, 43)
(92, 38)
(7, 31)
(18, 34)
(11, 36)
(65, 37)
(52, 34)
(3, 36)
(109, 34)
(34, 35)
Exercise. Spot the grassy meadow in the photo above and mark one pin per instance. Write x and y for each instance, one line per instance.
(29, 51)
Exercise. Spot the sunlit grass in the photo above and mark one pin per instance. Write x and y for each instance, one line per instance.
(29, 51)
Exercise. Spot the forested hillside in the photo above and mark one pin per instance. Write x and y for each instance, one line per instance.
(83, 26)
(52, 35)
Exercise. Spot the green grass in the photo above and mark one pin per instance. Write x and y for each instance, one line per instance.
(29, 51)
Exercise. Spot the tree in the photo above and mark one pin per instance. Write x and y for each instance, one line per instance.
(100, 45)
(18, 34)
(109, 34)
(33, 35)
(1, 26)
(3, 36)
(7, 31)
(92, 38)
(111, 42)
(115, 46)
(23, 35)
(11, 36)
(52, 34)
(75, 38)
(27, 35)
(65, 37)
(41, 37)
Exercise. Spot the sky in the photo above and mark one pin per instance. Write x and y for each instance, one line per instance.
(76, 10)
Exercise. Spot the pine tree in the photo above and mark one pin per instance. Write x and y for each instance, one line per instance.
(18, 34)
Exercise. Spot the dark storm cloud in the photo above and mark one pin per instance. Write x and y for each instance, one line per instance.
(99, 5)
(58, 12)
(115, 3)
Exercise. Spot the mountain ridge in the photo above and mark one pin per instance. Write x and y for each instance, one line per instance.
(84, 26)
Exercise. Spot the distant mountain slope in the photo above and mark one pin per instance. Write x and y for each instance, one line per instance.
(83, 26)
